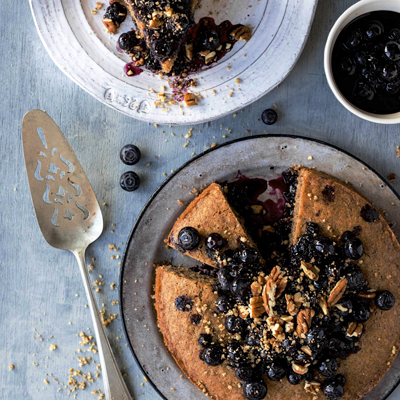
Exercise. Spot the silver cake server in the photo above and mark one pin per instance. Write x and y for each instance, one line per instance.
(69, 217)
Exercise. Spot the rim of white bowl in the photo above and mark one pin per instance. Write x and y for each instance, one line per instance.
(349, 15)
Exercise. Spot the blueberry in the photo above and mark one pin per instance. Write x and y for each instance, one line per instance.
(223, 304)
(269, 116)
(316, 337)
(129, 181)
(293, 378)
(244, 373)
(322, 283)
(214, 241)
(252, 339)
(344, 307)
(354, 248)
(235, 352)
(277, 370)
(240, 287)
(180, 24)
(130, 154)
(213, 355)
(348, 67)
(324, 246)
(393, 87)
(389, 72)
(355, 279)
(384, 300)
(188, 238)
(234, 324)
(373, 30)
(209, 40)
(195, 319)
(347, 235)
(255, 390)
(205, 339)
(127, 41)
(249, 256)
(361, 312)
(340, 379)
(117, 12)
(162, 49)
(184, 303)
(369, 213)
(224, 278)
(394, 34)
(328, 367)
(353, 40)
(332, 389)
(363, 90)
(360, 58)
(392, 51)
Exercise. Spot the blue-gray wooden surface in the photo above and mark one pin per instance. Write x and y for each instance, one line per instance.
(40, 289)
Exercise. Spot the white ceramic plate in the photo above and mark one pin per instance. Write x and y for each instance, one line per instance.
(262, 156)
(78, 43)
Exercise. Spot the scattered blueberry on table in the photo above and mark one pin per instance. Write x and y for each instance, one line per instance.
(130, 154)
(129, 181)
(269, 116)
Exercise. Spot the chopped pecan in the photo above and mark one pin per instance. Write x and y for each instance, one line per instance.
(337, 292)
(299, 369)
(155, 23)
(323, 304)
(189, 51)
(289, 327)
(276, 327)
(298, 299)
(241, 33)
(310, 270)
(287, 318)
(210, 56)
(291, 305)
(243, 311)
(256, 306)
(304, 318)
(307, 350)
(169, 12)
(354, 329)
(312, 387)
(190, 100)
(109, 24)
(256, 289)
(341, 307)
(257, 209)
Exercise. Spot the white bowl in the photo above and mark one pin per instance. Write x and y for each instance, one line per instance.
(360, 8)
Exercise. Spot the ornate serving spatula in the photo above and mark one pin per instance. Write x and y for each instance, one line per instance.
(69, 217)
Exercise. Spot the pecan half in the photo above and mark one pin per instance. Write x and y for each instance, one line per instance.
(274, 287)
(312, 387)
(354, 329)
(291, 305)
(256, 306)
(337, 292)
(310, 270)
(304, 318)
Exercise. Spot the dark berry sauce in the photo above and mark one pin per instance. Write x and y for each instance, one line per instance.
(366, 62)
(131, 70)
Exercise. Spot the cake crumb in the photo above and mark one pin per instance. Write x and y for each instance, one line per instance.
(310, 158)
(391, 178)
(398, 151)
(11, 367)
(52, 347)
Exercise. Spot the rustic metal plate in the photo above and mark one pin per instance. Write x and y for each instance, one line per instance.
(78, 43)
(265, 156)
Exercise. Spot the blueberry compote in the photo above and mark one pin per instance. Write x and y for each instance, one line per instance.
(292, 313)
(366, 62)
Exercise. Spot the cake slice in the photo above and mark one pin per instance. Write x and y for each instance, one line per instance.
(209, 213)
(181, 329)
(337, 208)
(163, 24)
